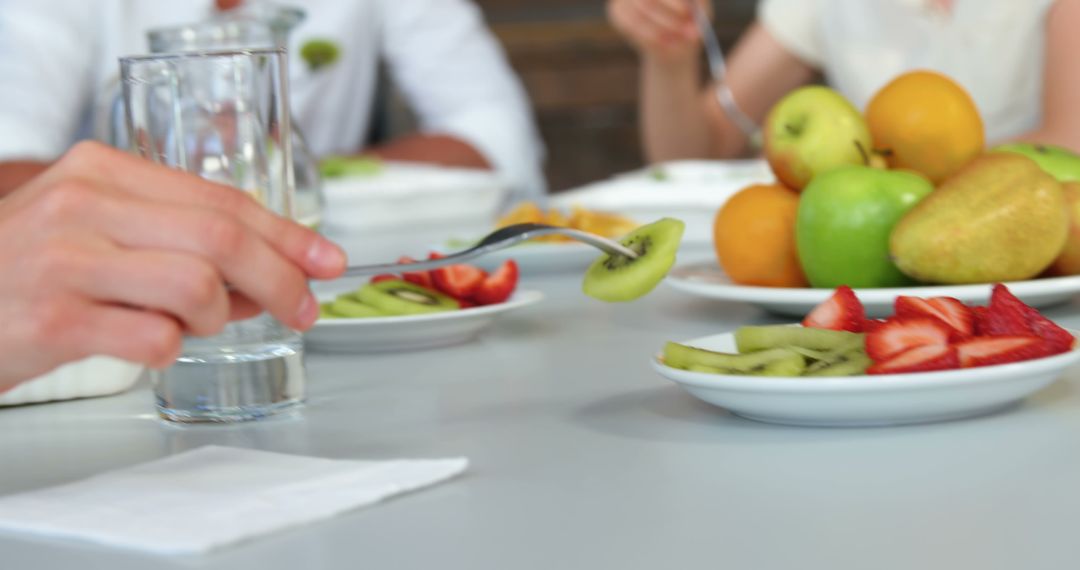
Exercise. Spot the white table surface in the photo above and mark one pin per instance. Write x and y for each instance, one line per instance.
(582, 457)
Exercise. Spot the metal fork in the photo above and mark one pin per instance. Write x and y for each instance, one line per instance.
(499, 239)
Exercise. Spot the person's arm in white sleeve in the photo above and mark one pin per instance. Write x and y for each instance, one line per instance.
(457, 79)
(1061, 79)
(46, 57)
(681, 117)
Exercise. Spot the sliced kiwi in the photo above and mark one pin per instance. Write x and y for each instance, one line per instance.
(775, 362)
(753, 339)
(397, 297)
(325, 312)
(345, 306)
(853, 362)
(618, 278)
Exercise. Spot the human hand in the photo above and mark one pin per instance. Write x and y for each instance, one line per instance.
(664, 29)
(108, 254)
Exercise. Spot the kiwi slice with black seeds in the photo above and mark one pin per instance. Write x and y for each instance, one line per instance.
(852, 362)
(752, 339)
(345, 306)
(775, 362)
(396, 297)
(619, 278)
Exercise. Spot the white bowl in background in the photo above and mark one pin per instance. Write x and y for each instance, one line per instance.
(92, 377)
(405, 208)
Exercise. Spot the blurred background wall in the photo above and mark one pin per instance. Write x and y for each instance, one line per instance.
(582, 78)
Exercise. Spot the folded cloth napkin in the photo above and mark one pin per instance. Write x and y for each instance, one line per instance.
(213, 496)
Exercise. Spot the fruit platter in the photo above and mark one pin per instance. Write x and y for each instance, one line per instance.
(934, 359)
(904, 199)
(418, 309)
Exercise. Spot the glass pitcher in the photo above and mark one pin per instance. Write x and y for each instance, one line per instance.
(253, 26)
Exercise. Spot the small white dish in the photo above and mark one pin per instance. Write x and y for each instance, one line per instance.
(706, 279)
(89, 378)
(413, 332)
(856, 401)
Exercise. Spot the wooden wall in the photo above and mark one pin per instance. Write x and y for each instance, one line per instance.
(582, 78)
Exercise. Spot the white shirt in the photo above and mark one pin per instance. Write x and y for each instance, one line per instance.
(994, 48)
(58, 57)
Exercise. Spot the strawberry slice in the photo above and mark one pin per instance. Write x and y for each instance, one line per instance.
(384, 277)
(987, 351)
(871, 325)
(899, 335)
(421, 278)
(954, 313)
(980, 320)
(920, 359)
(459, 281)
(498, 287)
(841, 312)
(1008, 315)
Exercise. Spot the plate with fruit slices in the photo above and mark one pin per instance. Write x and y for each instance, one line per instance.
(707, 280)
(936, 359)
(416, 310)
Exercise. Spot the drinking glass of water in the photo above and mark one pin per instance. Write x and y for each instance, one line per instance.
(225, 117)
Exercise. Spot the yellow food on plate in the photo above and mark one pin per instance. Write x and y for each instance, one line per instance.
(605, 224)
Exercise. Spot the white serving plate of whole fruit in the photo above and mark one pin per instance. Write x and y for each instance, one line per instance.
(707, 280)
(410, 332)
(880, 400)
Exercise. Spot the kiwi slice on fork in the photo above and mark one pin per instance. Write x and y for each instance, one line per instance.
(618, 278)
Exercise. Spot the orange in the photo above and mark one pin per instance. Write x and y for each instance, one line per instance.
(754, 235)
(926, 122)
(524, 213)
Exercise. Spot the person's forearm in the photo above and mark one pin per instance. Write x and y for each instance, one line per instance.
(674, 123)
(14, 174)
(444, 150)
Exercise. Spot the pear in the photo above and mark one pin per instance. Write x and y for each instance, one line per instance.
(1000, 218)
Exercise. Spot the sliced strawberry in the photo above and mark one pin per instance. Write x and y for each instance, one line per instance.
(498, 287)
(1060, 339)
(900, 335)
(871, 325)
(920, 359)
(384, 277)
(465, 304)
(841, 312)
(954, 313)
(459, 281)
(421, 278)
(1006, 312)
(1006, 315)
(980, 320)
(990, 350)
(435, 255)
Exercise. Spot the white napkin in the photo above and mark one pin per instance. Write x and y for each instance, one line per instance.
(213, 496)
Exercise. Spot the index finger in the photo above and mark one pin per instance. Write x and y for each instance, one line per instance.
(317, 256)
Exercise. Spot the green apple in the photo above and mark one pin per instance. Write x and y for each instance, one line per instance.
(1061, 163)
(843, 224)
(813, 130)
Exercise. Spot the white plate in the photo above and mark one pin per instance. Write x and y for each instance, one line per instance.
(92, 377)
(706, 279)
(412, 332)
(691, 191)
(891, 399)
